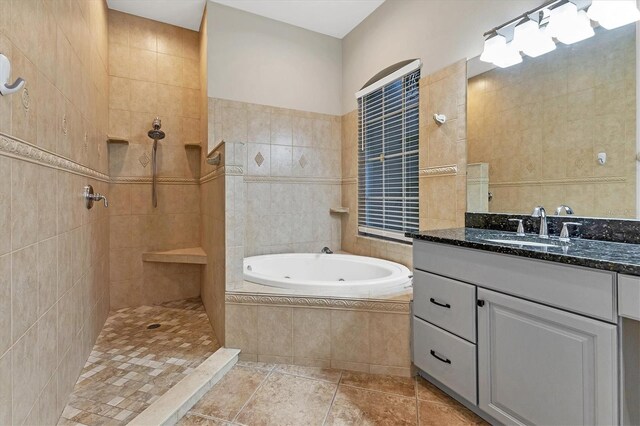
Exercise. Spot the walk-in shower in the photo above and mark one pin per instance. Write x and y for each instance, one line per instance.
(156, 134)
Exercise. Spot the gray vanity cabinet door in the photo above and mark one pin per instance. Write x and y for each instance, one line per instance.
(540, 365)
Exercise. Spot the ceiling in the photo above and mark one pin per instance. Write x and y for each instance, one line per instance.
(182, 13)
(335, 18)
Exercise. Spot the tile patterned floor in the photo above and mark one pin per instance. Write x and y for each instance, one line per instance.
(132, 366)
(266, 394)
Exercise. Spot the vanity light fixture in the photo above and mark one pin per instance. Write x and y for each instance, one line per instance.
(501, 53)
(493, 47)
(531, 39)
(510, 56)
(536, 32)
(569, 25)
(612, 14)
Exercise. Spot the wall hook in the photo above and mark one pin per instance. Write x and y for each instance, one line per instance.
(440, 119)
(5, 73)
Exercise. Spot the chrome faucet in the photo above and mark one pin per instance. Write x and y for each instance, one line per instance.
(326, 250)
(540, 212)
(564, 207)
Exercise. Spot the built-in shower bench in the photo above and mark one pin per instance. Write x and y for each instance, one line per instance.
(191, 255)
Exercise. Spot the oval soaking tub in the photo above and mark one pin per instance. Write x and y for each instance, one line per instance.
(340, 274)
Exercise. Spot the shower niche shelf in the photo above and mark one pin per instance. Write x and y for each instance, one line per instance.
(117, 140)
(191, 255)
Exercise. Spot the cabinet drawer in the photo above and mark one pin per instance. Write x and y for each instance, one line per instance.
(447, 358)
(629, 297)
(589, 292)
(446, 303)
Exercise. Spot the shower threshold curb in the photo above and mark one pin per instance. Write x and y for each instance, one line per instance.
(177, 401)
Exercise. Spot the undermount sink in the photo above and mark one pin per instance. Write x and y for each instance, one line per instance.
(520, 243)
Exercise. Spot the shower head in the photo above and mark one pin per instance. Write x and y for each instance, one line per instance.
(156, 133)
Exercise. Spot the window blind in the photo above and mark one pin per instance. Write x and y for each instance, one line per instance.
(388, 159)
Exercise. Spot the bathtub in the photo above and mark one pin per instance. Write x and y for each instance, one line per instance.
(331, 274)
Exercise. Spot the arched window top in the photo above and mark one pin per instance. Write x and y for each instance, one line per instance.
(389, 74)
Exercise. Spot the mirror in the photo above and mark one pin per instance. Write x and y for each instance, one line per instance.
(559, 129)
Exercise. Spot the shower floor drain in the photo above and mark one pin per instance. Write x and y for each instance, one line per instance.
(152, 326)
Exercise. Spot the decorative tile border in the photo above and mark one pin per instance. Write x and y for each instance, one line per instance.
(222, 171)
(440, 171)
(147, 179)
(477, 180)
(350, 181)
(218, 172)
(319, 302)
(233, 170)
(21, 150)
(293, 179)
(567, 181)
(168, 180)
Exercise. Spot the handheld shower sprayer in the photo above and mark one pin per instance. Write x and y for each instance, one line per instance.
(156, 134)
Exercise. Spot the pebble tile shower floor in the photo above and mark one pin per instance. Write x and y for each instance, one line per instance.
(267, 394)
(131, 365)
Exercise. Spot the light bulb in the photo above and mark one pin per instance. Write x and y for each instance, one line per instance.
(612, 14)
(528, 38)
(492, 48)
(569, 25)
(499, 52)
(508, 56)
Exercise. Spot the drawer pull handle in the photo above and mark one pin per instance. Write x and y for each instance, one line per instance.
(444, 305)
(438, 357)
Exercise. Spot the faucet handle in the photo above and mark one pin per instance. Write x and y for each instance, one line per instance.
(520, 232)
(564, 234)
(538, 211)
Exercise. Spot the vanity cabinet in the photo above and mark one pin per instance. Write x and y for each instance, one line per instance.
(540, 365)
(629, 297)
(520, 341)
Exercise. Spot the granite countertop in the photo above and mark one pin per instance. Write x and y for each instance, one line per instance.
(609, 256)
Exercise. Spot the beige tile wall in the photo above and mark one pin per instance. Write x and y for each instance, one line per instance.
(212, 207)
(361, 340)
(291, 174)
(54, 264)
(442, 149)
(137, 227)
(540, 125)
(213, 243)
(154, 70)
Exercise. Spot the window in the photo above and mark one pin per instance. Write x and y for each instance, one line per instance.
(388, 157)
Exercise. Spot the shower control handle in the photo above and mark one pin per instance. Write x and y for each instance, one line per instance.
(90, 197)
